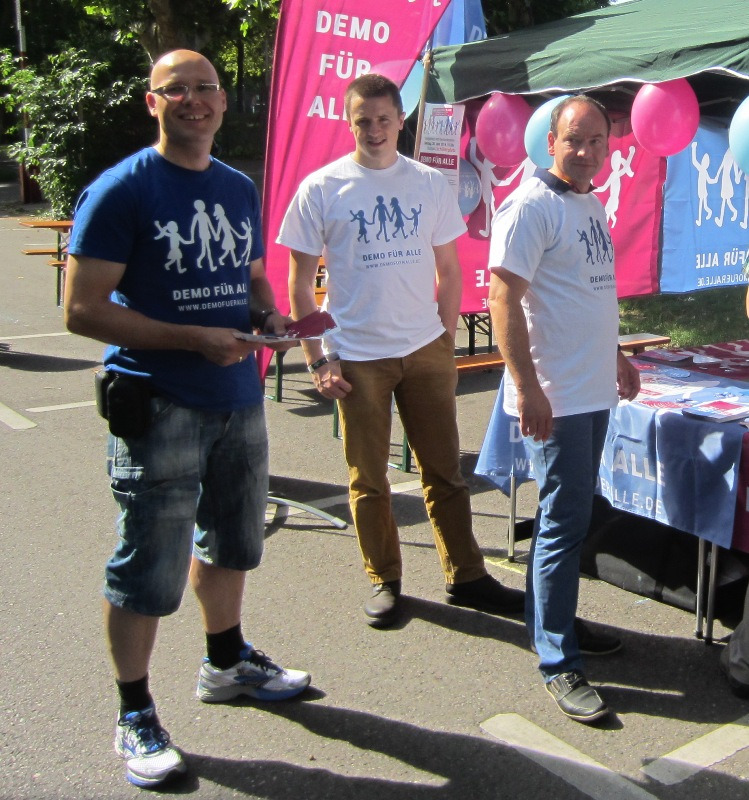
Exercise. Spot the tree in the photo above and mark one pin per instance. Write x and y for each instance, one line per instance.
(237, 35)
(503, 16)
(204, 25)
(72, 105)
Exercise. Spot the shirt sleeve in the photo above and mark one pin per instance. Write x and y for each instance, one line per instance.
(104, 220)
(519, 237)
(302, 227)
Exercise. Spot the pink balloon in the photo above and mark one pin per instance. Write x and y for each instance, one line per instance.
(665, 116)
(500, 129)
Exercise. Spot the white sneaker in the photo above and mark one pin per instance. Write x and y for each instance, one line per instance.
(149, 757)
(254, 675)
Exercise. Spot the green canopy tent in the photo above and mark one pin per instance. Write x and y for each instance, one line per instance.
(630, 43)
(609, 54)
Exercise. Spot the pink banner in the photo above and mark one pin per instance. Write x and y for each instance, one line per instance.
(321, 46)
(631, 189)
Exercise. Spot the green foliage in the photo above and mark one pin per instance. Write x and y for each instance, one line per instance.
(204, 25)
(70, 101)
(714, 315)
(503, 16)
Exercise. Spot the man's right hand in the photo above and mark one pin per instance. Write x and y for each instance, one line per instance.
(536, 418)
(330, 382)
(221, 346)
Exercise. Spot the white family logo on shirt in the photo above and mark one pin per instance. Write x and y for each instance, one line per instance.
(202, 236)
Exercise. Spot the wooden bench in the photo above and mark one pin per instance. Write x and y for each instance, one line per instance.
(637, 342)
(40, 251)
(631, 342)
(60, 266)
(479, 362)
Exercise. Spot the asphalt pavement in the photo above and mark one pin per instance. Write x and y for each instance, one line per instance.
(448, 704)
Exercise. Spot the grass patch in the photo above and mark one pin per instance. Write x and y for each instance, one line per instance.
(709, 316)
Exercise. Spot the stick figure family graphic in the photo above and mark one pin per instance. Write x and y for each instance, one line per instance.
(382, 217)
(729, 176)
(597, 241)
(203, 233)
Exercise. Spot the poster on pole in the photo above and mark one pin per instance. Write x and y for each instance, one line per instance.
(439, 144)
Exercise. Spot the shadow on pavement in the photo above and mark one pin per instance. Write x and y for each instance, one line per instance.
(35, 362)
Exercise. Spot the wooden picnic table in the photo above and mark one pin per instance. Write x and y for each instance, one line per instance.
(62, 228)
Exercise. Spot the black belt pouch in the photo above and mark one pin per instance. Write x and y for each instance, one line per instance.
(125, 402)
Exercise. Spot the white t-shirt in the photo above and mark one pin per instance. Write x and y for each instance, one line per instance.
(375, 229)
(559, 241)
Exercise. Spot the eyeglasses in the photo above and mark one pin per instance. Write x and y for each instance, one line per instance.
(178, 91)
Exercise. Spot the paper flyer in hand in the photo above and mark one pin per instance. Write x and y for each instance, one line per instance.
(313, 326)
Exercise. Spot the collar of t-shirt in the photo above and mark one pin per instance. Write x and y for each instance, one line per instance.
(556, 184)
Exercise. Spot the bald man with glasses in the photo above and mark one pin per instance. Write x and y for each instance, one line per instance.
(147, 274)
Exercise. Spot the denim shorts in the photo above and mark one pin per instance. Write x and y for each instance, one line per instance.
(195, 484)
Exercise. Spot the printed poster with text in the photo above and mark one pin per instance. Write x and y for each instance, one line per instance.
(440, 140)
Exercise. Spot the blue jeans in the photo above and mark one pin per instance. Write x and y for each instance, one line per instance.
(565, 467)
(195, 484)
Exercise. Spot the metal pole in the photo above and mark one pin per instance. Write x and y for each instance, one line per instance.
(29, 188)
(22, 61)
(427, 62)
(700, 606)
(513, 518)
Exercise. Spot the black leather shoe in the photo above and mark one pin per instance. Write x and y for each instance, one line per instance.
(595, 643)
(739, 688)
(576, 697)
(383, 607)
(486, 594)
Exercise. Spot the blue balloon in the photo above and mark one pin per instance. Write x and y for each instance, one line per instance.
(411, 89)
(469, 187)
(738, 136)
(537, 133)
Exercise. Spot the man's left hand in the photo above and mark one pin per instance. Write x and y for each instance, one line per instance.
(276, 325)
(627, 378)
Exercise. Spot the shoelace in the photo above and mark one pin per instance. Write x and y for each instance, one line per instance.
(573, 680)
(259, 659)
(150, 735)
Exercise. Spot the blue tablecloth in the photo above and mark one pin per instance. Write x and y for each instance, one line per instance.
(656, 463)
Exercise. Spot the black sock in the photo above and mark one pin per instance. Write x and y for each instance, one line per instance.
(224, 648)
(134, 695)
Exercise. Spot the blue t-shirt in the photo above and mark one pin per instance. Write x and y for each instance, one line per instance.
(187, 239)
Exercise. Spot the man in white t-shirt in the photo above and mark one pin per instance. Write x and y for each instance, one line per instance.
(553, 305)
(386, 227)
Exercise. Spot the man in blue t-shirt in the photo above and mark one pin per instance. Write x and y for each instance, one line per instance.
(164, 264)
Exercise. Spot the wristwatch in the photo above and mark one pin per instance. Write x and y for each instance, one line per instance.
(262, 317)
(315, 365)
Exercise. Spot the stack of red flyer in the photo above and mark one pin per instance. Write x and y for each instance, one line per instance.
(718, 411)
(313, 326)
